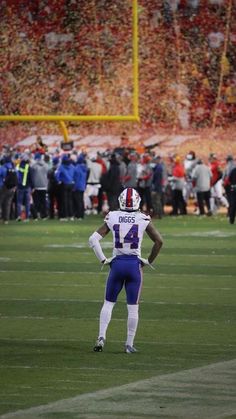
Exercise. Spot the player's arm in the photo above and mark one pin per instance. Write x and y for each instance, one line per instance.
(157, 241)
(94, 241)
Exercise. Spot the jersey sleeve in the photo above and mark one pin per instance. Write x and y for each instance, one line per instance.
(145, 219)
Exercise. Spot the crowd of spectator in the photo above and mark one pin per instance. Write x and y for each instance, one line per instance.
(69, 186)
(75, 57)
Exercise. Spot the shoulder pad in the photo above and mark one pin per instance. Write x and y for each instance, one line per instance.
(107, 217)
(145, 217)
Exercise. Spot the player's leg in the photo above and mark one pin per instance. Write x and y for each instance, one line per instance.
(113, 287)
(219, 194)
(133, 288)
(200, 200)
(132, 324)
(104, 320)
(213, 200)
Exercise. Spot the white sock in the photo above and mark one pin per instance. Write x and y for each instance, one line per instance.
(132, 323)
(105, 318)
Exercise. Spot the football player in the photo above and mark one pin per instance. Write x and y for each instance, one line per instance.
(127, 225)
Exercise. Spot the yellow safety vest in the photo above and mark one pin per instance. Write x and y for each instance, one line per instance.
(25, 171)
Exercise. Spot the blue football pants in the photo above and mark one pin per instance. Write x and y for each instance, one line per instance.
(126, 271)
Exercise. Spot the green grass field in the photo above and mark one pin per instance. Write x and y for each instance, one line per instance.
(51, 293)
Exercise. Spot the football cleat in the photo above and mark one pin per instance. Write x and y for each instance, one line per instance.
(99, 345)
(130, 349)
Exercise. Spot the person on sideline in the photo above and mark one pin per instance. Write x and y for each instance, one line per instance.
(65, 178)
(114, 186)
(127, 225)
(53, 189)
(178, 182)
(217, 197)
(230, 181)
(201, 177)
(9, 182)
(157, 188)
(24, 187)
(232, 208)
(39, 173)
(145, 175)
(230, 165)
(80, 179)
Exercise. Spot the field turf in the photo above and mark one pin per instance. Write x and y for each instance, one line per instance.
(52, 288)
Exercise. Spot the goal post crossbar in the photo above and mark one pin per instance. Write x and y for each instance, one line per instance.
(56, 118)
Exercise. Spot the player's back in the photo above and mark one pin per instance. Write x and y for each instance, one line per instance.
(127, 228)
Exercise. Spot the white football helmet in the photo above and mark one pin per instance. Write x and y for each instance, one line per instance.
(129, 200)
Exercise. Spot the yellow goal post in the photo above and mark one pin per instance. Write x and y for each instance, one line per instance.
(61, 119)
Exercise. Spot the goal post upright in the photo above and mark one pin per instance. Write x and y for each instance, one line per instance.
(135, 61)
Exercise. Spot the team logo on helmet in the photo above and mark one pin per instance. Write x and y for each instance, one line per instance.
(129, 200)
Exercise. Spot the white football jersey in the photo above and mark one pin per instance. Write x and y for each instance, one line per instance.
(127, 229)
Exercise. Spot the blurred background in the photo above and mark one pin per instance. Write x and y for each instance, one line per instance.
(75, 57)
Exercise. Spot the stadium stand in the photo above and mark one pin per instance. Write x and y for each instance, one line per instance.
(67, 57)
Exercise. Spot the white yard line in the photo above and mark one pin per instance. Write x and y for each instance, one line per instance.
(200, 393)
(179, 265)
(89, 285)
(75, 300)
(192, 274)
(143, 342)
(43, 318)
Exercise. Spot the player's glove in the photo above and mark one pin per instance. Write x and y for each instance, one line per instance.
(145, 262)
(107, 261)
